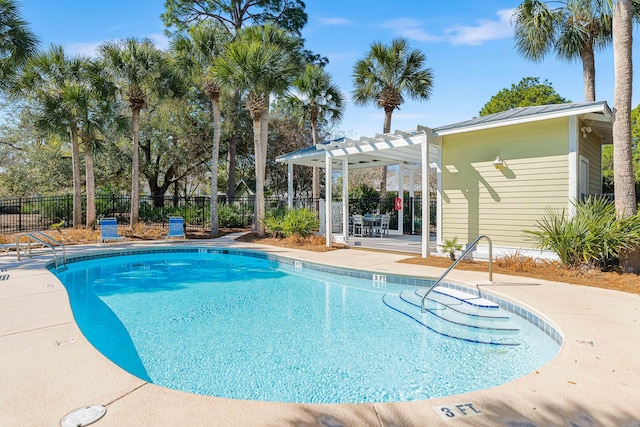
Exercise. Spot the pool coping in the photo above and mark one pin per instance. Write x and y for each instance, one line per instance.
(594, 380)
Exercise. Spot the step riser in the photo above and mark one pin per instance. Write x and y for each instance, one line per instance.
(448, 329)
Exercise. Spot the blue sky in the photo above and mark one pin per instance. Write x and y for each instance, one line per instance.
(468, 44)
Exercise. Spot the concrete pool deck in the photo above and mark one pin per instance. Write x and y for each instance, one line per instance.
(48, 369)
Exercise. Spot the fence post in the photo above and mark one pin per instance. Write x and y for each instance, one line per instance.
(20, 214)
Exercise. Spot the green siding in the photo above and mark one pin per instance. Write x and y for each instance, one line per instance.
(480, 199)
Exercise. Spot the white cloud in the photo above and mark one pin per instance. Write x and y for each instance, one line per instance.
(411, 29)
(485, 30)
(334, 21)
(90, 49)
(159, 40)
(84, 49)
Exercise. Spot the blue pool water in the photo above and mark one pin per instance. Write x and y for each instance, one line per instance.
(246, 327)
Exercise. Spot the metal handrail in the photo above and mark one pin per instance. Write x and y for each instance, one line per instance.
(43, 242)
(471, 246)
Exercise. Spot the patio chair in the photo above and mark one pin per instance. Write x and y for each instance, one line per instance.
(383, 227)
(358, 226)
(176, 228)
(109, 231)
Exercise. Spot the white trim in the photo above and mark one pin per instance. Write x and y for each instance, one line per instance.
(532, 118)
(573, 164)
(401, 195)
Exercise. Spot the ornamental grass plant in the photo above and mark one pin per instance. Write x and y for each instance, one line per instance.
(593, 236)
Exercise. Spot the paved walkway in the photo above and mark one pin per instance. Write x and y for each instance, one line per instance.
(48, 369)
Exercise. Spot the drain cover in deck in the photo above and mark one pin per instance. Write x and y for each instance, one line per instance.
(83, 416)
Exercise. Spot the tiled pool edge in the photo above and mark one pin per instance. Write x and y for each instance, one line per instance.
(535, 319)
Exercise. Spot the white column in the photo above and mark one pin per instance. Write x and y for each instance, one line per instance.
(439, 224)
(290, 185)
(425, 193)
(573, 164)
(401, 195)
(328, 196)
(412, 195)
(345, 198)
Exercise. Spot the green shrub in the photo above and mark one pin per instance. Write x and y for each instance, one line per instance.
(294, 221)
(592, 236)
(233, 216)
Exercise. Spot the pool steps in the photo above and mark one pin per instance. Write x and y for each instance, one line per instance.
(459, 316)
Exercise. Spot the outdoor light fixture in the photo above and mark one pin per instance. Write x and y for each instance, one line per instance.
(585, 130)
(499, 163)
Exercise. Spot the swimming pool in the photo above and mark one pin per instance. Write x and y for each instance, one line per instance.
(245, 325)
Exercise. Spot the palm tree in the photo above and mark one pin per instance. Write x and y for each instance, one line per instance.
(320, 100)
(384, 75)
(138, 69)
(263, 60)
(574, 30)
(625, 197)
(196, 55)
(61, 87)
(17, 43)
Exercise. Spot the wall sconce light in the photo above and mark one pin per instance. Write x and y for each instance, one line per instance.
(499, 163)
(585, 130)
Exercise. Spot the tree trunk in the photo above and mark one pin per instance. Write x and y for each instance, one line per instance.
(135, 169)
(215, 109)
(231, 154)
(624, 182)
(77, 184)
(260, 181)
(259, 191)
(91, 187)
(383, 175)
(231, 167)
(624, 185)
(589, 73)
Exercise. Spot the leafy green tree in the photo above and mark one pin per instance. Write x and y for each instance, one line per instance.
(233, 14)
(174, 142)
(385, 75)
(196, 54)
(528, 92)
(61, 87)
(138, 69)
(263, 60)
(320, 101)
(575, 29)
(17, 42)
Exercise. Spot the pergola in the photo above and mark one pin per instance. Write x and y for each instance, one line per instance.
(411, 150)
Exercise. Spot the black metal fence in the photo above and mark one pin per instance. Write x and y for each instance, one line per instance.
(42, 212)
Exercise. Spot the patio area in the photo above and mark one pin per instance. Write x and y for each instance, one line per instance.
(50, 369)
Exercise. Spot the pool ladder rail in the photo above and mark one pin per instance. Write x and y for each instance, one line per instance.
(451, 267)
(43, 240)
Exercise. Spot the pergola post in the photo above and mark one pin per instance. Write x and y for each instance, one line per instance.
(345, 198)
(401, 196)
(328, 197)
(425, 192)
(290, 185)
(412, 195)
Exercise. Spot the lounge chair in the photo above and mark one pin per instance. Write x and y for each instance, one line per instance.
(176, 228)
(109, 231)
